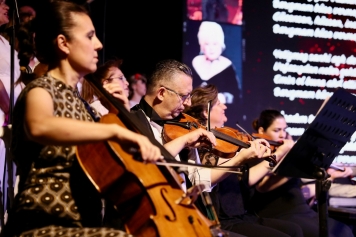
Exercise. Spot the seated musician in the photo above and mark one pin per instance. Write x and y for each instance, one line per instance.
(231, 194)
(169, 91)
(341, 186)
(281, 197)
(55, 197)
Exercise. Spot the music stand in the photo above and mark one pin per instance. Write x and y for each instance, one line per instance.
(321, 142)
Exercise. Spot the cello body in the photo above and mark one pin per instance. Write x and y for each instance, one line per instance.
(145, 195)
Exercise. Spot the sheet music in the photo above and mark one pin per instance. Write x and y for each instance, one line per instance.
(322, 141)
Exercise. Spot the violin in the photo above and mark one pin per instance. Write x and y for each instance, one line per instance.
(247, 137)
(146, 194)
(228, 140)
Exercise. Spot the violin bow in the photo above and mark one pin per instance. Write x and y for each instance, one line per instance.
(186, 164)
(208, 122)
(242, 129)
(205, 195)
(271, 159)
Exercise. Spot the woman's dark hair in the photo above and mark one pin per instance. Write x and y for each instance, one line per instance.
(55, 18)
(100, 75)
(26, 43)
(199, 102)
(266, 118)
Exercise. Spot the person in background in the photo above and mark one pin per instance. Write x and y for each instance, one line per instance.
(169, 92)
(5, 63)
(112, 78)
(5, 93)
(26, 52)
(281, 197)
(137, 86)
(341, 184)
(26, 13)
(55, 196)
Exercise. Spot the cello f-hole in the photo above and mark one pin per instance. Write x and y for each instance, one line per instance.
(163, 191)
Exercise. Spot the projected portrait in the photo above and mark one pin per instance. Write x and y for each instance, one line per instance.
(211, 66)
(214, 53)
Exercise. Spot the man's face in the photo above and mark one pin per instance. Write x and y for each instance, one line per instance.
(176, 95)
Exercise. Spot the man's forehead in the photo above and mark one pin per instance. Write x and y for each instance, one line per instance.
(184, 82)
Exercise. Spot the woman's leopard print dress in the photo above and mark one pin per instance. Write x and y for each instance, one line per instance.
(55, 197)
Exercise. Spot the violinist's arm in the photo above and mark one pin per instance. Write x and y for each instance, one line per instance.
(257, 149)
(271, 181)
(219, 175)
(257, 172)
(191, 139)
(339, 174)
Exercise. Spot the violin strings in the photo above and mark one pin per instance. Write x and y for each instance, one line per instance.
(240, 127)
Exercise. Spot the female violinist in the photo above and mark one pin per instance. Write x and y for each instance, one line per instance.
(281, 197)
(55, 197)
(231, 192)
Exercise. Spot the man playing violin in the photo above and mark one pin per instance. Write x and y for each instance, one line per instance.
(168, 94)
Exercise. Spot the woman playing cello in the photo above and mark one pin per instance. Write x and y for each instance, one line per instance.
(55, 197)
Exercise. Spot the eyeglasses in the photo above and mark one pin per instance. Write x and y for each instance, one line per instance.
(181, 97)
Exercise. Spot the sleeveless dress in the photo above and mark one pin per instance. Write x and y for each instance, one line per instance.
(55, 197)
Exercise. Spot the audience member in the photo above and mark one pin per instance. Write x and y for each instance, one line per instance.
(137, 86)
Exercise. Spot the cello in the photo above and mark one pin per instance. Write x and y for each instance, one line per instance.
(148, 196)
